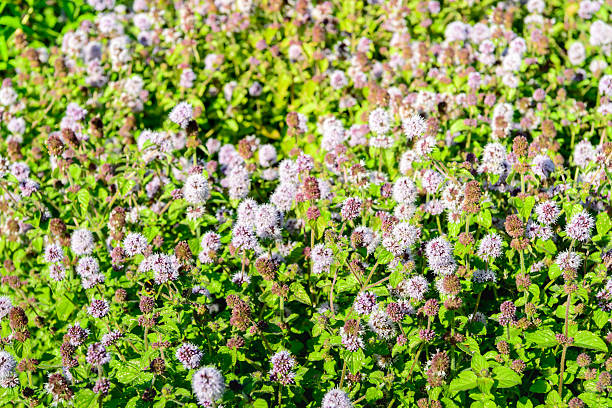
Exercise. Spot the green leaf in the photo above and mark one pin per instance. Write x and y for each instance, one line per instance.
(526, 207)
(125, 186)
(130, 373)
(506, 377)
(600, 318)
(540, 386)
(553, 399)
(75, 172)
(587, 339)
(355, 360)
(85, 398)
(484, 218)
(396, 278)
(384, 256)
(466, 380)
(64, 308)
(479, 363)
(454, 228)
(373, 394)
(603, 223)
(593, 400)
(485, 384)
(543, 338)
(300, 293)
(260, 403)
(83, 198)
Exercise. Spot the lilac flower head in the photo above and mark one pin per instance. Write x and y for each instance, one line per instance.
(75, 112)
(490, 247)
(406, 234)
(98, 308)
(243, 238)
(54, 253)
(351, 208)
(584, 153)
(165, 267)
(414, 126)
(111, 338)
(196, 189)
(431, 180)
(187, 78)
(134, 243)
(337, 79)
(414, 288)
(547, 212)
(336, 398)
(189, 355)
(404, 191)
(76, 334)
(87, 266)
(605, 82)
(542, 166)
(267, 155)
(333, 133)
(5, 306)
(484, 275)
(494, 159)
(57, 272)
(247, 212)
(456, 31)
(350, 335)
(267, 221)
(364, 303)
(7, 364)
(181, 114)
(210, 244)
(208, 385)
(238, 182)
(282, 366)
(322, 258)
(580, 226)
(381, 324)
(439, 254)
(97, 355)
(576, 54)
(379, 121)
(82, 242)
(568, 260)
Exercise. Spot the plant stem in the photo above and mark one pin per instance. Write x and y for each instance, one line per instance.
(331, 293)
(477, 303)
(565, 330)
(343, 372)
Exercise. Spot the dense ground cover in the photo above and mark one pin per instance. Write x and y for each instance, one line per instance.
(305, 204)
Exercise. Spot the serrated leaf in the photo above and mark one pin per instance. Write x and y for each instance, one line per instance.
(355, 360)
(260, 403)
(85, 398)
(600, 318)
(373, 394)
(543, 338)
(603, 223)
(466, 380)
(299, 293)
(587, 339)
(64, 308)
(526, 206)
(506, 377)
(593, 400)
(83, 198)
(479, 363)
(484, 218)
